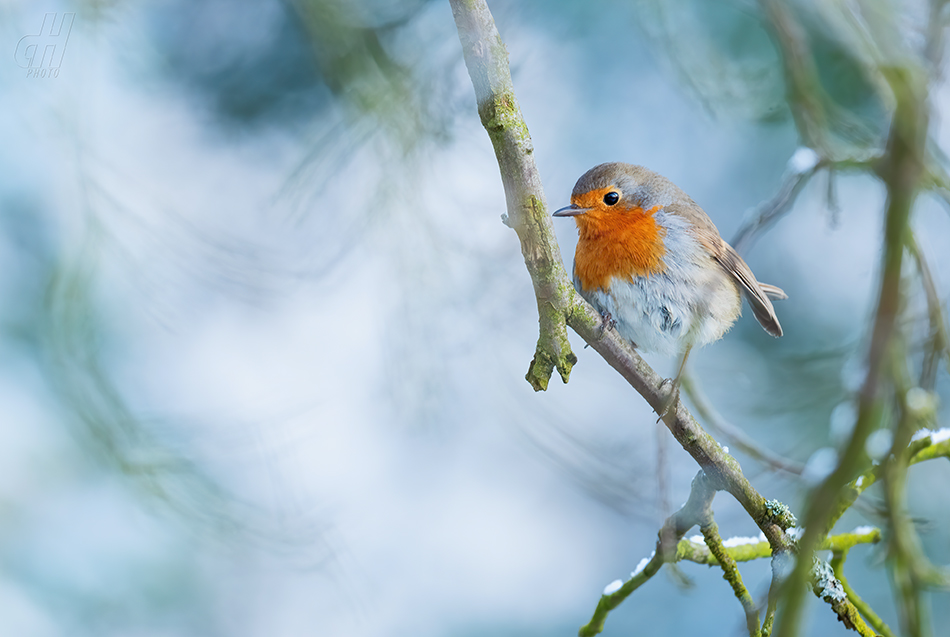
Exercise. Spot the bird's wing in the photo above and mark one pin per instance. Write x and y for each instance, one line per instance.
(757, 293)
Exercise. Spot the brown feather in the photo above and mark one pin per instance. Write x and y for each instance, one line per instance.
(758, 298)
(756, 293)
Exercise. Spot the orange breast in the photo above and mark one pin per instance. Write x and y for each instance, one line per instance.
(617, 244)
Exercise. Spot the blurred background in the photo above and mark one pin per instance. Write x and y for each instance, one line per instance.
(263, 334)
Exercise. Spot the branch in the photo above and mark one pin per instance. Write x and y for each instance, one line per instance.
(768, 212)
(694, 549)
(804, 92)
(708, 549)
(901, 170)
(730, 572)
(696, 509)
(733, 435)
(829, 589)
(939, 346)
(558, 302)
(487, 61)
(837, 565)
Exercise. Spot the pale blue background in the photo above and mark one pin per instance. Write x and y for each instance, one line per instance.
(263, 335)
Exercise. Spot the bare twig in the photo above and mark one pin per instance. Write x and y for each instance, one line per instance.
(768, 212)
(696, 509)
(803, 91)
(733, 435)
(939, 346)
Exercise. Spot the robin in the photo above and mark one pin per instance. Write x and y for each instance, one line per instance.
(651, 261)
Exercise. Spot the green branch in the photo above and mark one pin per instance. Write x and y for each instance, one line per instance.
(730, 572)
(901, 170)
(829, 589)
(748, 549)
(837, 566)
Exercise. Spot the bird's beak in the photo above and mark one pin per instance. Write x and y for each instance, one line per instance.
(570, 211)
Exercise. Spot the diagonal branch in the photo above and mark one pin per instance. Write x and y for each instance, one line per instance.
(695, 511)
(732, 434)
(558, 302)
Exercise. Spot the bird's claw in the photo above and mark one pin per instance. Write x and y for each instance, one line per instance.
(608, 324)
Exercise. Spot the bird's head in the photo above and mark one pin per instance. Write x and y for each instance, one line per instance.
(611, 194)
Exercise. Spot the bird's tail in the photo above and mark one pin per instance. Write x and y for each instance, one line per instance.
(772, 291)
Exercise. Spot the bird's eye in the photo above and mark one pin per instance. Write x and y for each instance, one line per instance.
(611, 198)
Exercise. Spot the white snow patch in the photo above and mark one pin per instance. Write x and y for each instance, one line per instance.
(739, 541)
(864, 530)
(829, 586)
(803, 160)
(697, 539)
(642, 565)
(613, 587)
(936, 437)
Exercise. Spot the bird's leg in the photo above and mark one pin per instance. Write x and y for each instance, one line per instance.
(674, 396)
(608, 324)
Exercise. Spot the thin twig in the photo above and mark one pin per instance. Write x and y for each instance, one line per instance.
(939, 346)
(733, 435)
(770, 211)
(837, 565)
(696, 509)
(730, 572)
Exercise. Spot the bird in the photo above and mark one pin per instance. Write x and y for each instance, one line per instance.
(652, 262)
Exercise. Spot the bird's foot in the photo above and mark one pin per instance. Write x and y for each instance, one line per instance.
(672, 398)
(608, 324)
